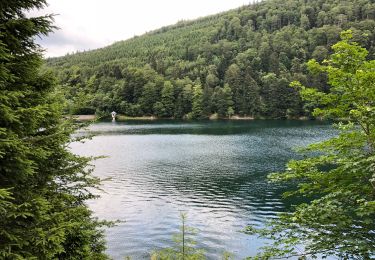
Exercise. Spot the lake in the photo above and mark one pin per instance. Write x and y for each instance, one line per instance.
(215, 171)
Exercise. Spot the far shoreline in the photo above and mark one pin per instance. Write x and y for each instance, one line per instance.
(151, 118)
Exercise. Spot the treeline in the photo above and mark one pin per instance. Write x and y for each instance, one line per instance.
(238, 62)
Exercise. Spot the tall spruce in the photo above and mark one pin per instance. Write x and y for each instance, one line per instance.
(43, 186)
(197, 100)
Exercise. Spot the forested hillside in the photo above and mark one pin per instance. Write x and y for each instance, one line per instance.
(237, 62)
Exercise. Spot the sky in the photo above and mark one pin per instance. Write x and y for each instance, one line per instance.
(91, 24)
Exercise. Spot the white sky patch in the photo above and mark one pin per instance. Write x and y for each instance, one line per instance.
(90, 24)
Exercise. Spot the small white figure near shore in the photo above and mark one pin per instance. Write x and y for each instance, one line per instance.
(113, 114)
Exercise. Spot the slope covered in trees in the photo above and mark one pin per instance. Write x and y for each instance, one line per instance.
(237, 62)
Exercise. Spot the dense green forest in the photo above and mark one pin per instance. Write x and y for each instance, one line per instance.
(238, 62)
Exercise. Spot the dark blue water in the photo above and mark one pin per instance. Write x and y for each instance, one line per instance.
(213, 171)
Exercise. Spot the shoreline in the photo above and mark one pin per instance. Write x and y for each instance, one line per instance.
(151, 118)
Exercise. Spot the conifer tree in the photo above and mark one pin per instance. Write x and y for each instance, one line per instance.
(185, 245)
(43, 186)
(197, 106)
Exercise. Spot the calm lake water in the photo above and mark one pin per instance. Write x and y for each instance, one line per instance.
(213, 171)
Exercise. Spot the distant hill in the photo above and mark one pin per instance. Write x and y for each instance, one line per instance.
(237, 62)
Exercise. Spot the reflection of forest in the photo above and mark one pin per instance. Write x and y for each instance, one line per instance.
(206, 164)
(207, 127)
(214, 170)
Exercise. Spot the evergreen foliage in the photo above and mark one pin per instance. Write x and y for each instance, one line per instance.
(256, 49)
(43, 186)
(338, 175)
(197, 106)
(184, 248)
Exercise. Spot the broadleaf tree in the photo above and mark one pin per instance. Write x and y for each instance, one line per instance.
(338, 175)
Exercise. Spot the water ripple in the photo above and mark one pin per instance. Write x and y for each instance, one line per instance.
(213, 171)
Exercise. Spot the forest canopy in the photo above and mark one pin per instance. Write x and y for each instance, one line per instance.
(237, 62)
